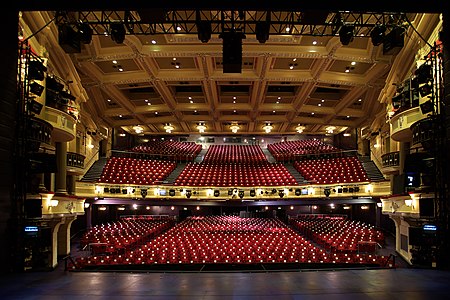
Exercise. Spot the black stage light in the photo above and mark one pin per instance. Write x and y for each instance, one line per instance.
(426, 107)
(281, 193)
(394, 41)
(339, 190)
(124, 191)
(36, 88)
(172, 192)
(377, 34)
(356, 189)
(241, 194)
(252, 193)
(144, 193)
(298, 192)
(327, 192)
(117, 190)
(230, 192)
(69, 39)
(346, 34)
(85, 31)
(425, 89)
(216, 193)
(203, 30)
(106, 190)
(350, 190)
(36, 70)
(53, 84)
(188, 193)
(35, 107)
(424, 73)
(262, 31)
(117, 32)
(345, 190)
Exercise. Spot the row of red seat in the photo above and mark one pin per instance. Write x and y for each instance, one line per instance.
(242, 174)
(339, 234)
(234, 154)
(221, 239)
(121, 170)
(285, 149)
(169, 148)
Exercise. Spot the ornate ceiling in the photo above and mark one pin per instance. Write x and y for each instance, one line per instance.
(291, 80)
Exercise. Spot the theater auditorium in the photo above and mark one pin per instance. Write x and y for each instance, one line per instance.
(226, 150)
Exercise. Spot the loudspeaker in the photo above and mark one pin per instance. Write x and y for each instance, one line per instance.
(232, 51)
(36, 70)
(33, 208)
(426, 208)
(426, 107)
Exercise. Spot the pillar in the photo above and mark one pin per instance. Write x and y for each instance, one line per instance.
(54, 254)
(63, 237)
(61, 164)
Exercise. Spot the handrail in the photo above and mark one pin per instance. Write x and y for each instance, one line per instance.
(91, 161)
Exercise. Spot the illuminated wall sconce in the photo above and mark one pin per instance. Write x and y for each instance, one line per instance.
(292, 207)
(365, 207)
(102, 208)
(346, 207)
(330, 129)
(147, 207)
(121, 208)
(380, 204)
(408, 202)
(198, 207)
(216, 193)
(172, 207)
(135, 206)
(53, 203)
(87, 204)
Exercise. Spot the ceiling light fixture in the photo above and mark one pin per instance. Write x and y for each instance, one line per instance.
(168, 128)
(234, 127)
(268, 128)
(300, 128)
(330, 129)
(138, 129)
(201, 127)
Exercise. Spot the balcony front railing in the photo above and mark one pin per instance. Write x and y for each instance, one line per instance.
(75, 160)
(391, 159)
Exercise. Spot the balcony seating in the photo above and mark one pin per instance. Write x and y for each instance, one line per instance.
(121, 170)
(332, 170)
(234, 154)
(288, 150)
(178, 151)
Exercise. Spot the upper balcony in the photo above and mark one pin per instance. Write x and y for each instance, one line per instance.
(401, 123)
(390, 162)
(38, 132)
(64, 129)
(75, 163)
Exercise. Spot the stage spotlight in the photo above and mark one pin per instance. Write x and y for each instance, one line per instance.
(69, 39)
(36, 88)
(230, 192)
(124, 191)
(216, 193)
(298, 192)
(425, 89)
(85, 31)
(241, 194)
(346, 34)
(424, 73)
(203, 30)
(188, 193)
(35, 107)
(327, 192)
(262, 31)
(377, 34)
(426, 107)
(144, 193)
(105, 190)
(117, 32)
(172, 192)
(252, 193)
(36, 70)
(274, 191)
(281, 193)
(394, 41)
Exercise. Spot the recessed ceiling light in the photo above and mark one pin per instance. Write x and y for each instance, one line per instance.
(323, 100)
(189, 97)
(234, 110)
(279, 98)
(314, 42)
(278, 102)
(320, 104)
(234, 97)
(359, 100)
(353, 63)
(149, 103)
(114, 61)
(234, 101)
(294, 59)
(273, 111)
(153, 42)
(191, 101)
(120, 70)
(109, 100)
(347, 71)
(291, 67)
(312, 113)
(174, 58)
(348, 117)
(120, 116)
(288, 29)
(156, 112)
(178, 28)
(146, 100)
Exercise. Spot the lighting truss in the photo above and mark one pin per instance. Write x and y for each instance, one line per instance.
(280, 22)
